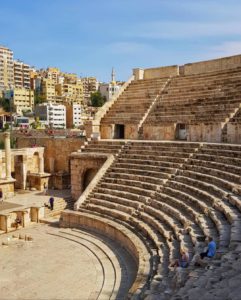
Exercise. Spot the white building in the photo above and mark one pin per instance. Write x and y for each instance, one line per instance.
(108, 90)
(73, 115)
(51, 115)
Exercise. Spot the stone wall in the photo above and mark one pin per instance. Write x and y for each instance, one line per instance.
(7, 188)
(161, 72)
(162, 132)
(213, 65)
(205, 133)
(106, 131)
(56, 153)
(81, 165)
(131, 131)
(234, 133)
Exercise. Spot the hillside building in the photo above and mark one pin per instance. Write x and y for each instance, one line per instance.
(51, 115)
(6, 68)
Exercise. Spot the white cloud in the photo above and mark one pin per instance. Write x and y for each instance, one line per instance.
(179, 30)
(226, 49)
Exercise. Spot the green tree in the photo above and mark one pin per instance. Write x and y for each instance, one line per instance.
(5, 104)
(97, 100)
(38, 98)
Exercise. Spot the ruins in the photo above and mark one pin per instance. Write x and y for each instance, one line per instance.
(160, 170)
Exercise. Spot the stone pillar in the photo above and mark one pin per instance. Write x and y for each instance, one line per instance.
(24, 170)
(138, 73)
(1, 164)
(7, 155)
(41, 164)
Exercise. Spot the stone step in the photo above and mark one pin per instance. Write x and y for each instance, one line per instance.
(139, 171)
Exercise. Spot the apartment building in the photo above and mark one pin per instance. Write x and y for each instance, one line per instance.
(73, 93)
(21, 75)
(51, 115)
(53, 74)
(21, 99)
(70, 78)
(90, 85)
(73, 115)
(6, 68)
(48, 89)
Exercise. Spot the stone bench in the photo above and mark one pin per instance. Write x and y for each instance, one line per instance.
(142, 178)
(160, 164)
(130, 189)
(211, 163)
(134, 183)
(141, 171)
(234, 162)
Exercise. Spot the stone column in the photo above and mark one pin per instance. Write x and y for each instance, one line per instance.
(7, 155)
(41, 164)
(24, 170)
(1, 164)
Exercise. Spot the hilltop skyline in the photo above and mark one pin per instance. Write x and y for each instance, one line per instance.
(90, 38)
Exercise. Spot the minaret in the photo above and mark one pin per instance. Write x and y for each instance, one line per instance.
(113, 76)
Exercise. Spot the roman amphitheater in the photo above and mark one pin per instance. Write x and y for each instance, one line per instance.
(160, 170)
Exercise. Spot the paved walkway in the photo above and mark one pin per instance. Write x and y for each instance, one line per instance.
(30, 198)
(62, 264)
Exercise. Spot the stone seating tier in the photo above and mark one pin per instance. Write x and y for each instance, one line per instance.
(173, 194)
(193, 99)
(139, 94)
(111, 147)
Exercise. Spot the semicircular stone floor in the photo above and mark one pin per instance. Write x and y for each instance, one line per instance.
(63, 264)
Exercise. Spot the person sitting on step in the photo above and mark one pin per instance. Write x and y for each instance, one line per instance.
(211, 249)
(183, 261)
(209, 252)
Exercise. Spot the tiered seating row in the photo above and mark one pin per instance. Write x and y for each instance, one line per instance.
(174, 194)
(206, 97)
(134, 102)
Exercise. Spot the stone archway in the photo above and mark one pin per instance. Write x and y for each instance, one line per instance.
(36, 162)
(88, 176)
(18, 173)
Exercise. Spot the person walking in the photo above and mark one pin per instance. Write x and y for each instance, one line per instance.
(1, 196)
(51, 202)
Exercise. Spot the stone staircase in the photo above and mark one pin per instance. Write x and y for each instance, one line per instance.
(134, 102)
(59, 205)
(140, 127)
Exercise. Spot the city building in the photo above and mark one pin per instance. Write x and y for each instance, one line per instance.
(35, 80)
(108, 90)
(21, 75)
(51, 115)
(73, 93)
(70, 78)
(48, 89)
(21, 99)
(90, 85)
(53, 74)
(73, 115)
(6, 68)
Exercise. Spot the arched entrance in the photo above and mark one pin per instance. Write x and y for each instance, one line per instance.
(181, 131)
(18, 172)
(119, 131)
(88, 176)
(36, 162)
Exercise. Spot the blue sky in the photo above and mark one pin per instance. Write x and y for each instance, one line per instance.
(88, 37)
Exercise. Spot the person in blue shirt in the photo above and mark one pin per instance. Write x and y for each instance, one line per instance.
(211, 250)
